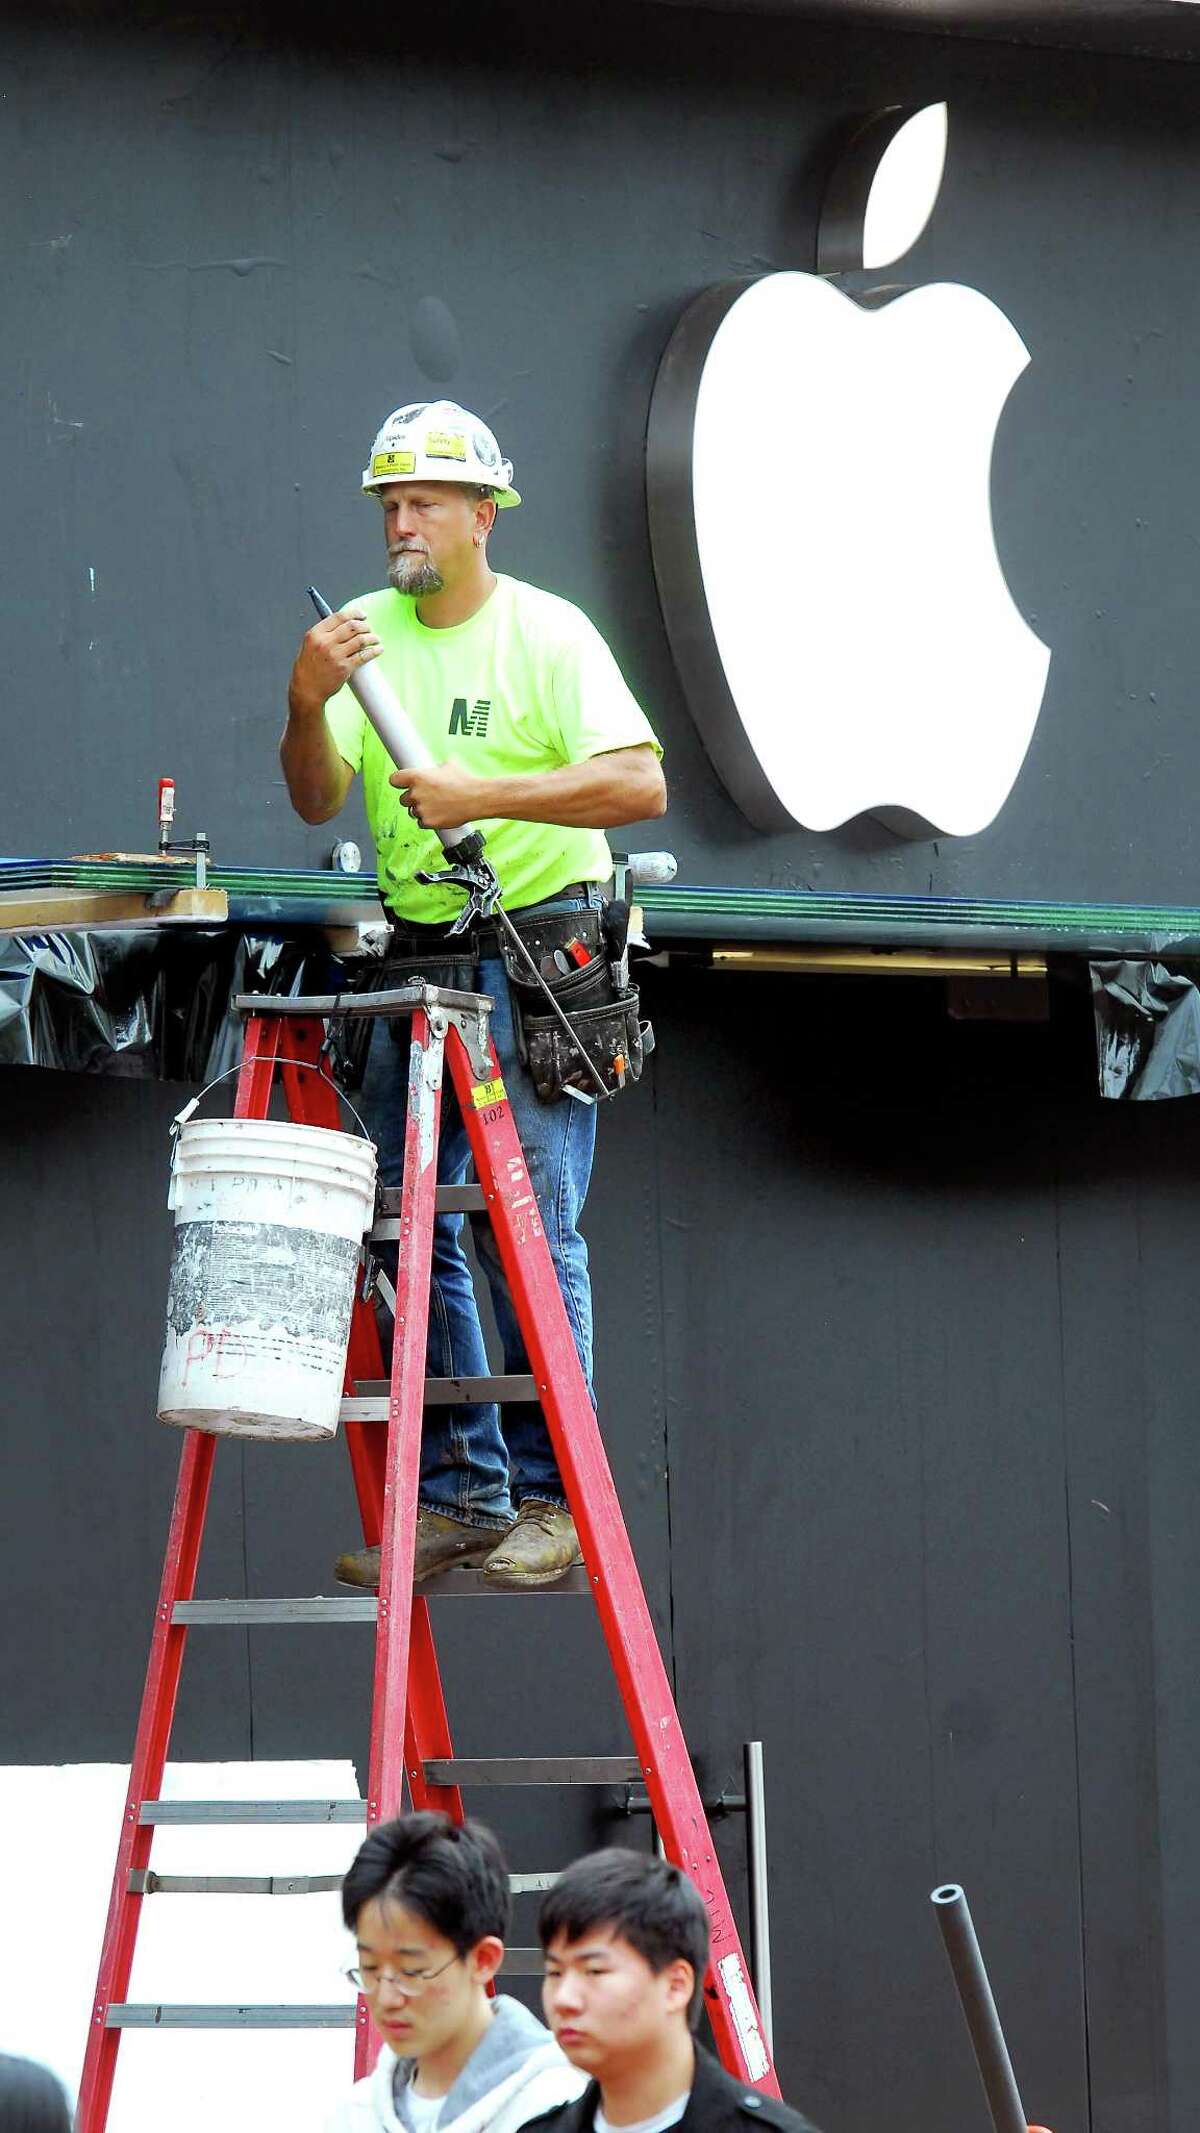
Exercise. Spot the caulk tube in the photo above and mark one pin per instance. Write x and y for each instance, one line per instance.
(462, 843)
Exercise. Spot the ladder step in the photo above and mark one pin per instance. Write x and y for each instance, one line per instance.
(189, 1813)
(130, 2015)
(472, 1585)
(450, 1200)
(518, 1962)
(534, 1770)
(320, 1608)
(143, 1881)
(371, 1402)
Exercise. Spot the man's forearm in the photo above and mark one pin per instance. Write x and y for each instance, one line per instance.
(317, 775)
(603, 793)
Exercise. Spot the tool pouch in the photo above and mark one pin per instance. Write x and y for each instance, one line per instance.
(351, 1036)
(603, 1014)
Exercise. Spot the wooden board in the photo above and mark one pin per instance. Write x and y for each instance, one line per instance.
(74, 910)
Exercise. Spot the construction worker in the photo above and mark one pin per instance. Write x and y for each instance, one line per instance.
(541, 745)
(625, 1936)
(428, 1904)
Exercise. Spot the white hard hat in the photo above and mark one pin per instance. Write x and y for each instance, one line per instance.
(436, 440)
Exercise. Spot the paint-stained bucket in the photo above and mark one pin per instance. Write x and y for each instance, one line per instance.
(269, 1220)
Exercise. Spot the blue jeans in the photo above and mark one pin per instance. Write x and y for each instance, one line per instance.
(478, 1463)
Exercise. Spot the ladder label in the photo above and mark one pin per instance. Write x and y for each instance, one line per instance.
(488, 1092)
(745, 2020)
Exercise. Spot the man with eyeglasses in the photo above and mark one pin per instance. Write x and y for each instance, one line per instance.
(428, 1902)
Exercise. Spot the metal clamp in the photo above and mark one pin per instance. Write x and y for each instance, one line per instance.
(472, 1027)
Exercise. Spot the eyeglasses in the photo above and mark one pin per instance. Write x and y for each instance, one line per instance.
(411, 1983)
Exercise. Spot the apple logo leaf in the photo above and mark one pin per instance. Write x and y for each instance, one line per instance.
(818, 474)
(882, 189)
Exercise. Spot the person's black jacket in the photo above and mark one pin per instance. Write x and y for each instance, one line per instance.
(717, 2104)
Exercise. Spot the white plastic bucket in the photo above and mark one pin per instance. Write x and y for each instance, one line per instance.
(269, 1220)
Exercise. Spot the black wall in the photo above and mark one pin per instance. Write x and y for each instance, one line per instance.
(231, 247)
(895, 1339)
(895, 1321)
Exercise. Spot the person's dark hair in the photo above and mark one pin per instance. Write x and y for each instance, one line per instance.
(31, 2100)
(454, 1876)
(644, 1899)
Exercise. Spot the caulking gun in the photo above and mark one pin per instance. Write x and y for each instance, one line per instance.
(463, 845)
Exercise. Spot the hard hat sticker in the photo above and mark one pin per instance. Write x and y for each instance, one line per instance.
(393, 463)
(445, 444)
(487, 1092)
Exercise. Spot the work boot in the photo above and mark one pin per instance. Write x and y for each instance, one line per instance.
(537, 1551)
(442, 1544)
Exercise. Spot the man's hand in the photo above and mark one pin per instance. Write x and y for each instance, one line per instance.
(318, 776)
(442, 797)
(331, 652)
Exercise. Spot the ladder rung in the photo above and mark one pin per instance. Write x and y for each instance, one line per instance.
(295, 1613)
(450, 1200)
(371, 1402)
(131, 2015)
(194, 1812)
(319, 1608)
(534, 1770)
(518, 1962)
(473, 1585)
(143, 1881)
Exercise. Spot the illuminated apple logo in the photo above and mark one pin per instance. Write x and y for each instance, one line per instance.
(818, 471)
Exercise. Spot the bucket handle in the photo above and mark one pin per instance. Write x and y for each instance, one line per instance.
(181, 1117)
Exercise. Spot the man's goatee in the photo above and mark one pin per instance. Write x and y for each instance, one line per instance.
(413, 575)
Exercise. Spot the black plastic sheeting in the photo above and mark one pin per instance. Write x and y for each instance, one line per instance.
(150, 1006)
(1147, 1031)
(156, 1005)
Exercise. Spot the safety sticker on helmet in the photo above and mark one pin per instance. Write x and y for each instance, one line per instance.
(392, 463)
(445, 444)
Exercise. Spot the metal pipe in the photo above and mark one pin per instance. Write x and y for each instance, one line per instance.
(881, 962)
(760, 1915)
(975, 1997)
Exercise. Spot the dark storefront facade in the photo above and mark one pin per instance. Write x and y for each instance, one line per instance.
(894, 1314)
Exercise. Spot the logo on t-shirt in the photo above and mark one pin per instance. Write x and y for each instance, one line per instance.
(473, 722)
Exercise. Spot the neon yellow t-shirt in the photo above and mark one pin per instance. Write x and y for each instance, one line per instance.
(527, 684)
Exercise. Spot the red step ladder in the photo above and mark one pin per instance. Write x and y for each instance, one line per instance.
(410, 1734)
